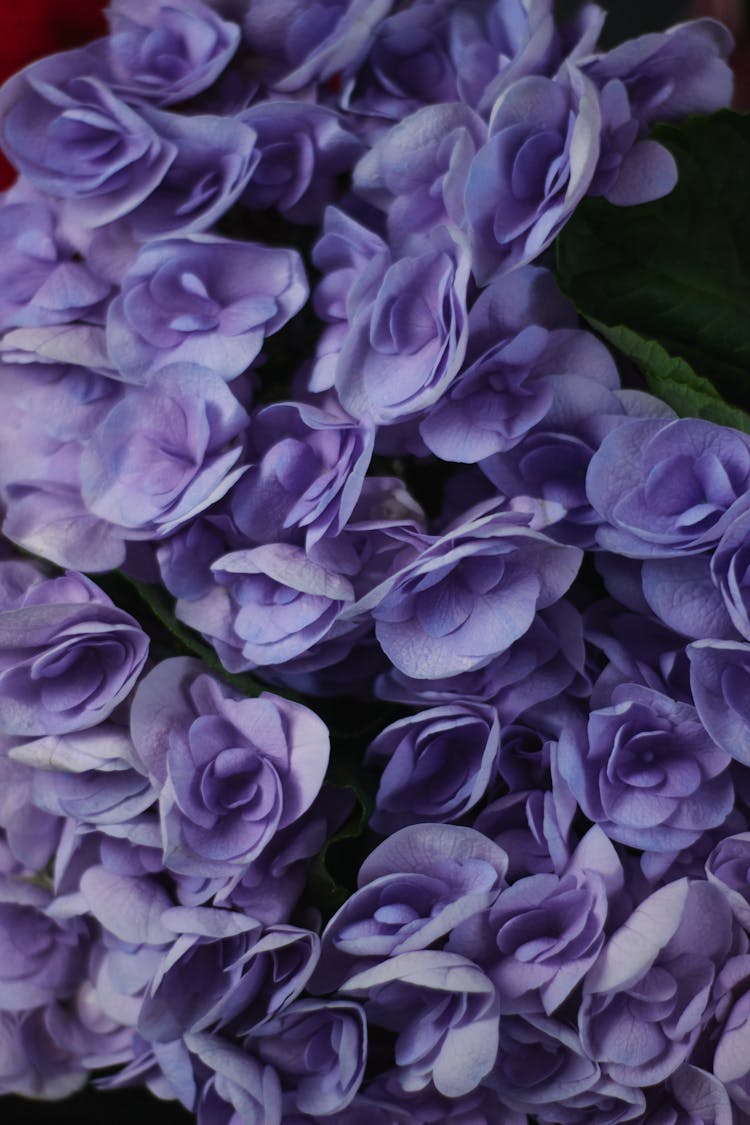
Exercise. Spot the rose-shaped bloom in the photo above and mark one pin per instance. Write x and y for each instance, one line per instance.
(541, 1065)
(218, 1079)
(204, 300)
(41, 959)
(40, 284)
(510, 387)
(166, 53)
(720, 683)
(214, 157)
(469, 595)
(646, 771)
(728, 868)
(416, 171)
(220, 969)
(72, 137)
(87, 776)
(681, 593)
(671, 74)
(413, 889)
(309, 44)
(630, 171)
(308, 471)
(32, 1063)
(730, 1064)
(435, 765)
(302, 148)
(68, 656)
(526, 181)
(647, 996)
(667, 488)
(606, 1103)
(445, 1012)
(407, 341)
(231, 772)
(319, 1049)
(164, 452)
(730, 573)
(272, 605)
(542, 934)
(692, 1097)
(30, 836)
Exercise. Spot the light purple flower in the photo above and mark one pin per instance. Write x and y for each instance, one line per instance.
(728, 868)
(407, 340)
(646, 771)
(681, 593)
(445, 1013)
(414, 888)
(540, 937)
(308, 44)
(309, 468)
(166, 53)
(164, 452)
(302, 147)
(630, 170)
(542, 1066)
(469, 594)
(214, 157)
(275, 604)
(416, 171)
(526, 181)
(647, 996)
(319, 1050)
(32, 1064)
(68, 656)
(719, 679)
(667, 488)
(202, 300)
(730, 572)
(40, 281)
(435, 765)
(730, 1061)
(692, 1094)
(41, 959)
(72, 137)
(231, 772)
(670, 74)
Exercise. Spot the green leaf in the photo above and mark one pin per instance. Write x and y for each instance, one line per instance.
(676, 272)
(673, 380)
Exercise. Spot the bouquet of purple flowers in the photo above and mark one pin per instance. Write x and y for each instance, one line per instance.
(375, 572)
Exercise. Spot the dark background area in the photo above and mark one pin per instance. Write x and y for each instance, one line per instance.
(626, 18)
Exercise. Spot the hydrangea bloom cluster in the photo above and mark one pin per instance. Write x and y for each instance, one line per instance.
(279, 336)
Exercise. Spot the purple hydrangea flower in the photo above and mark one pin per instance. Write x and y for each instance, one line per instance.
(309, 468)
(730, 573)
(446, 1015)
(416, 171)
(408, 338)
(72, 137)
(41, 959)
(202, 300)
(728, 868)
(414, 888)
(213, 160)
(68, 656)
(319, 1050)
(165, 53)
(436, 765)
(691, 1093)
(305, 44)
(540, 937)
(30, 836)
(164, 452)
(302, 147)
(730, 1061)
(526, 181)
(40, 282)
(469, 594)
(681, 593)
(652, 983)
(719, 679)
(670, 74)
(646, 771)
(32, 1063)
(667, 488)
(231, 772)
